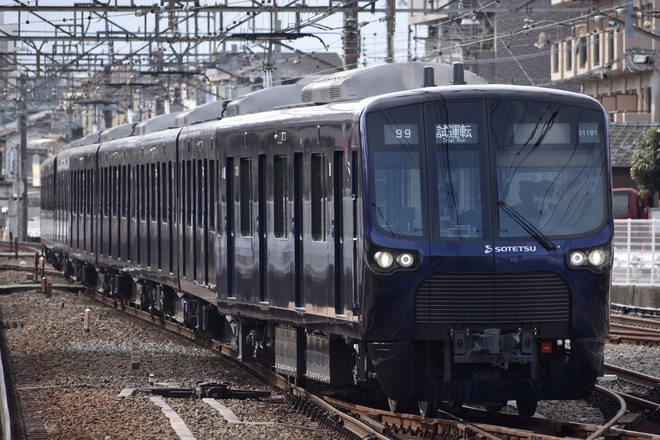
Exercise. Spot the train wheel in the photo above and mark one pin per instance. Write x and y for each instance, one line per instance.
(526, 408)
(426, 408)
(396, 406)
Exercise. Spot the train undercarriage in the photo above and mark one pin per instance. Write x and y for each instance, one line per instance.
(304, 355)
(297, 353)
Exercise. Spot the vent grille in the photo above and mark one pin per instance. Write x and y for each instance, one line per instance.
(492, 298)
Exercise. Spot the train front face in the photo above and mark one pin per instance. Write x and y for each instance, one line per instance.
(487, 238)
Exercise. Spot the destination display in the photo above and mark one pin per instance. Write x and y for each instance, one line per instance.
(401, 134)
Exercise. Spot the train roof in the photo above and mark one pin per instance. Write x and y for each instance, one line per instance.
(340, 92)
(117, 132)
(202, 113)
(381, 79)
(265, 99)
(157, 123)
(92, 138)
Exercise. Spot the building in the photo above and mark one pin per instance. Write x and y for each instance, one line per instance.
(602, 49)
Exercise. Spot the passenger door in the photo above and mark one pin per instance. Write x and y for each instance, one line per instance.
(319, 249)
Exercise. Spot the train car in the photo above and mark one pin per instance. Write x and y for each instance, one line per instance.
(629, 203)
(73, 217)
(454, 241)
(48, 179)
(443, 243)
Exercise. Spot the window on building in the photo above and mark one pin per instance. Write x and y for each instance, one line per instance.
(596, 49)
(582, 52)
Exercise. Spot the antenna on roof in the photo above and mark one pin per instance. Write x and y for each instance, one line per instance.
(459, 73)
(429, 76)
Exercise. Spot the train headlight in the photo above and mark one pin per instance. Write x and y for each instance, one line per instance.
(578, 258)
(596, 258)
(384, 259)
(389, 260)
(405, 260)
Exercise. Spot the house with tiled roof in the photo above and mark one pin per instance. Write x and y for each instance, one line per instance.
(622, 148)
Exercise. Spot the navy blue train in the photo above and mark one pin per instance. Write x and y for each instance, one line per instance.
(445, 243)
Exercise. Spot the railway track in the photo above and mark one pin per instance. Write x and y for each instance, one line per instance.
(353, 421)
(644, 411)
(627, 329)
(81, 379)
(367, 422)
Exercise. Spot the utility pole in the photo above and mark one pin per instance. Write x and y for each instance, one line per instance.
(22, 187)
(391, 27)
(351, 35)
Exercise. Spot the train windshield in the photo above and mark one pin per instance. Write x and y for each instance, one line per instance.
(488, 169)
(551, 166)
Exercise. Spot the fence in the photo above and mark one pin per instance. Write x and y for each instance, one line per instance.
(636, 259)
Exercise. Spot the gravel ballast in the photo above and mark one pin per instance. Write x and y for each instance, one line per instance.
(76, 375)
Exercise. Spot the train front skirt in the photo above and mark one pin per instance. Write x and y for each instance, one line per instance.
(403, 379)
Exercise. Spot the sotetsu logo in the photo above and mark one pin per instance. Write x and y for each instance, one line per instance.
(503, 249)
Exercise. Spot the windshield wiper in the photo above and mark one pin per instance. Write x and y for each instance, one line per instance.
(390, 226)
(530, 228)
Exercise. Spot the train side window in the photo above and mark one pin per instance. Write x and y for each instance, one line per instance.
(319, 197)
(136, 195)
(74, 193)
(245, 176)
(84, 190)
(213, 178)
(188, 193)
(170, 173)
(124, 192)
(113, 193)
(90, 203)
(279, 197)
(201, 183)
(163, 192)
(153, 191)
(130, 212)
(113, 189)
(81, 192)
(130, 197)
(85, 207)
(104, 191)
(90, 186)
(74, 189)
(143, 192)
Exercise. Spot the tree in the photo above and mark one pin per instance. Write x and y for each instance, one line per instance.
(645, 168)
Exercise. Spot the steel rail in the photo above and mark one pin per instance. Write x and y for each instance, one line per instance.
(5, 416)
(622, 411)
